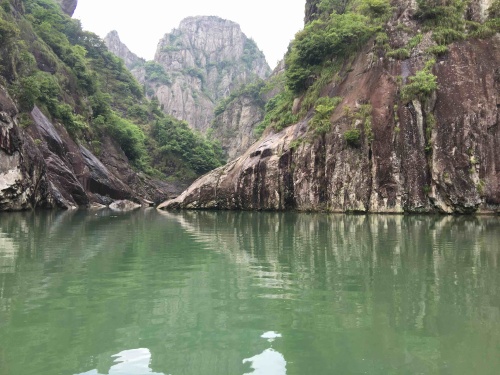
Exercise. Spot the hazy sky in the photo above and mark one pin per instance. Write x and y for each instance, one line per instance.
(141, 24)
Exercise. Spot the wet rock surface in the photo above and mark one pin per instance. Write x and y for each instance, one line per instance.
(410, 166)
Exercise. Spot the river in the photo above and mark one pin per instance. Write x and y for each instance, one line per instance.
(216, 293)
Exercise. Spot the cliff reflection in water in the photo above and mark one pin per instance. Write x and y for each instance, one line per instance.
(349, 294)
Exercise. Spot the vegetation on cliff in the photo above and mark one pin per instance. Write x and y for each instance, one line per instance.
(393, 107)
(198, 68)
(336, 29)
(48, 60)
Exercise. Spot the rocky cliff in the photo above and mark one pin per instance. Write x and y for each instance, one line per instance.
(238, 116)
(235, 126)
(23, 174)
(115, 46)
(311, 10)
(41, 166)
(68, 6)
(206, 59)
(74, 124)
(383, 147)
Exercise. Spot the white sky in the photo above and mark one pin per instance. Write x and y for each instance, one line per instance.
(141, 24)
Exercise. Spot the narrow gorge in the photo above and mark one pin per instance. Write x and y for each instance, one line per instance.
(198, 70)
(407, 122)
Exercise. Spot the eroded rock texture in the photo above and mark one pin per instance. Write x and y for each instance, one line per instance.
(23, 173)
(234, 127)
(41, 166)
(449, 165)
(206, 59)
(115, 46)
(68, 6)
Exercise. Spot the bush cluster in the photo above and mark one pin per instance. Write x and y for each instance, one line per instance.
(323, 110)
(321, 40)
(421, 85)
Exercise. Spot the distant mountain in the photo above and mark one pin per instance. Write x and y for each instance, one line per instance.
(198, 71)
(203, 61)
(115, 46)
(68, 6)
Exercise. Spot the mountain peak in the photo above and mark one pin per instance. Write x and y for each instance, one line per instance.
(68, 6)
(117, 47)
(207, 58)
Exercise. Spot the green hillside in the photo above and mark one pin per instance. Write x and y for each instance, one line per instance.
(48, 60)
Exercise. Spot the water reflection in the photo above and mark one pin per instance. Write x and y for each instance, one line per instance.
(348, 294)
(270, 361)
(129, 362)
(8, 254)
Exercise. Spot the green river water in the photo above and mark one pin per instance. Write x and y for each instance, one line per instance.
(216, 293)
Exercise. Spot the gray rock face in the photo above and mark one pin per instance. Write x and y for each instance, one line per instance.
(115, 46)
(411, 165)
(311, 10)
(41, 166)
(68, 6)
(234, 127)
(124, 206)
(206, 58)
(23, 173)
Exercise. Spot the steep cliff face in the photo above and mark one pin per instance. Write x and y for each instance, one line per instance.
(41, 166)
(68, 6)
(311, 11)
(238, 116)
(435, 154)
(115, 46)
(23, 173)
(206, 58)
(235, 126)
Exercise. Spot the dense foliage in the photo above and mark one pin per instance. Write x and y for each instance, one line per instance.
(48, 60)
(343, 29)
(324, 50)
(178, 141)
(323, 110)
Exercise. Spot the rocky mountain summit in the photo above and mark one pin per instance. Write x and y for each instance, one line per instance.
(68, 6)
(204, 60)
(197, 73)
(115, 46)
(408, 121)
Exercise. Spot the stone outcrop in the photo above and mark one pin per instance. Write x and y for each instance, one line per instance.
(23, 173)
(235, 126)
(311, 10)
(68, 6)
(235, 123)
(124, 206)
(115, 46)
(41, 166)
(206, 59)
(412, 164)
